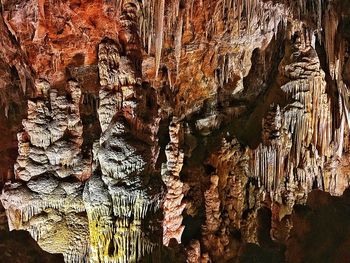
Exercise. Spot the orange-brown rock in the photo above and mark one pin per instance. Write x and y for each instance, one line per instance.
(198, 130)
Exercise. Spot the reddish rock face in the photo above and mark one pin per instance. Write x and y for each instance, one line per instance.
(57, 35)
(193, 130)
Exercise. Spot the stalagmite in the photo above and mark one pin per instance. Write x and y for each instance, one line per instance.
(173, 206)
(120, 160)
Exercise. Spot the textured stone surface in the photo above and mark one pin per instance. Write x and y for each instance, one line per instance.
(176, 130)
(118, 197)
(173, 206)
(50, 208)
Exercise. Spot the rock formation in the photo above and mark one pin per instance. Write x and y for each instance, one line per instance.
(119, 194)
(155, 131)
(50, 169)
(173, 206)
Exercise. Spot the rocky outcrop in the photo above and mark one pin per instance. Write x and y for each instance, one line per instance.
(156, 130)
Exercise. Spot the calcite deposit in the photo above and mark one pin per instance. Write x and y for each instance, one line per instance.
(47, 200)
(173, 205)
(175, 131)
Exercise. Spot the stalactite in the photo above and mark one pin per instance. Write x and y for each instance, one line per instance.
(6, 109)
(247, 4)
(275, 27)
(319, 19)
(159, 32)
(239, 10)
(331, 25)
(178, 44)
(147, 24)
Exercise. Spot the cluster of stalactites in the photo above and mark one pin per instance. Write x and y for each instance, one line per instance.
(270, 162)
(299, 136)
(309, 119)
(328, 21)
(231, 18)
(117, 236)
(134, 204)
(28, 204)
(228, 17)
(38, 213)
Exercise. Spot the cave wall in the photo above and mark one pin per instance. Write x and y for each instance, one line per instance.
(186, 131)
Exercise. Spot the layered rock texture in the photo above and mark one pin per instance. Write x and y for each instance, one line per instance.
(175, 131)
